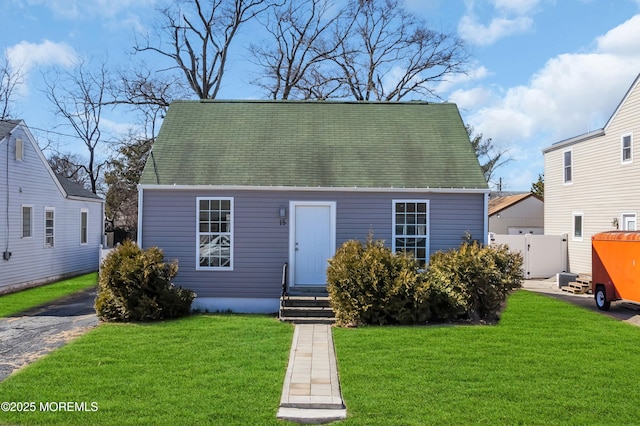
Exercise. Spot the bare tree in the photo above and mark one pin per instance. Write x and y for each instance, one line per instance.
(294, 59)
(69, 166)
(391, 53)
(10, 79)
(489, 156)
(196, 35)
(79, 96)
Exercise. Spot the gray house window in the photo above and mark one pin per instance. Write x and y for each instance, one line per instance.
(27, 215)
(49, 226)
(411, 228)
(84, 219)
(568, 161)
(627, 148)
(577, 226)
(215, 233)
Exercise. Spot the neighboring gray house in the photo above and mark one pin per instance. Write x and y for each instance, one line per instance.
(516, 214)
(237, 189)
(591, 181)
(50, 227)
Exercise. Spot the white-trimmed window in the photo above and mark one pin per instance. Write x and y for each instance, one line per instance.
(578, 223)
(26, 222)
(411, 228)
(84, 226)
(49, 226)
(568, 166)
(626, 142)
(215, 233)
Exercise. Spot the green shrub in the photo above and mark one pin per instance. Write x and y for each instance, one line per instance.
(472, 281)
(368, 284)
(135, 285)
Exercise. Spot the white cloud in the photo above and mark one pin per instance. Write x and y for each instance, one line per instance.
(570, 95)
(622, 40)
(519, 7)
(483, 35)
(72, 9)
(475, 74)
(511, 17)
(26, 56)
(472, 98)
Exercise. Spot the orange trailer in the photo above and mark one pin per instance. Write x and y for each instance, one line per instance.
(615, 267)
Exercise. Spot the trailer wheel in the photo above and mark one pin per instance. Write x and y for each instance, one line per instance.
(601, 299)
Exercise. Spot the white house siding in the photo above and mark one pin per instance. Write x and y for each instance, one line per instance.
(526, 215)
(261, 243)
(603, 188)
(30, 183)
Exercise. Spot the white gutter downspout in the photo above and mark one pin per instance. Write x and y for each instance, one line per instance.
(486, 219)
(140, 198)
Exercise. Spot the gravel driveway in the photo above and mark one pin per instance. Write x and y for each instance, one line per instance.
(31, 334)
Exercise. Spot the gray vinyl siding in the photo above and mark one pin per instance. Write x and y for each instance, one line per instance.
(602, 188)
(30, 183)
(261, 244)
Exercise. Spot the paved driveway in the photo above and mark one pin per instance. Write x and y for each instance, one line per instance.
(32, 334)
(624, 311)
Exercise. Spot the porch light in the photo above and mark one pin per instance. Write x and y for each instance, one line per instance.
(282, 213)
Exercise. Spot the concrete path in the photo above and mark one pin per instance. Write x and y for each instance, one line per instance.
(623, 311)
(311, 391)
(32, 334)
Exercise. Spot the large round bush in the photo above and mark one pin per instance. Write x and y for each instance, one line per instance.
(135, 285)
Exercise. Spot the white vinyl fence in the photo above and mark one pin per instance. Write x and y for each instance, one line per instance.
(544, 255)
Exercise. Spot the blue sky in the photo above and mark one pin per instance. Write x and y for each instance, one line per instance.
(542, 70)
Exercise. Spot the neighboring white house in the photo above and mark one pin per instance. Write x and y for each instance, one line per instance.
(516, 214)
(50, 227)
(592, 181)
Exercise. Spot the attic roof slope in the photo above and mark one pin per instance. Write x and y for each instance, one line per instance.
(314, 144)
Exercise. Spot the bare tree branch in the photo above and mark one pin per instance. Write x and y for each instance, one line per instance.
(10, 79)
(196, 36)
(78, 96)
(391, 53)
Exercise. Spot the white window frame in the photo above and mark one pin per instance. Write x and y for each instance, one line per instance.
(84, 231)
(53, 228)
(30, 207)
(19, 150)
(622, 148)
(573, 226)
(427, 235)
(230, 233)
(624, 220)
(570, 167)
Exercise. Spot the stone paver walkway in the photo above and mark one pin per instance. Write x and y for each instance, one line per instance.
(311, 391)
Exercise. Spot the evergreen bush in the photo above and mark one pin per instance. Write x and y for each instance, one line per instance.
(368, 284)
(472, 281)
(135, 285)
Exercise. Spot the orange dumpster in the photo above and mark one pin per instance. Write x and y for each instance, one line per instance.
(615, 267)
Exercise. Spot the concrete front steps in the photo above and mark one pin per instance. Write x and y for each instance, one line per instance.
(306, 309)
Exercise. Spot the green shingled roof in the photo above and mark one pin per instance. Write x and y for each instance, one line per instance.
(314, 144)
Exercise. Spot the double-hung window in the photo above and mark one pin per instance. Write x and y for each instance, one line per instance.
(568, 169)
(215, 233)
(27, 222)
(49, 226)
(627, 148)
(411, 228)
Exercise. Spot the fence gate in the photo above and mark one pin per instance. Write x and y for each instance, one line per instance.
(544, 255)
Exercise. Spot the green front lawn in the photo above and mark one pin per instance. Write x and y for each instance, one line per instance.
(200, 370)
(14, 303)
(546, 362)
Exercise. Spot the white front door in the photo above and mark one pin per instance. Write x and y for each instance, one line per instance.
(312, 240)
